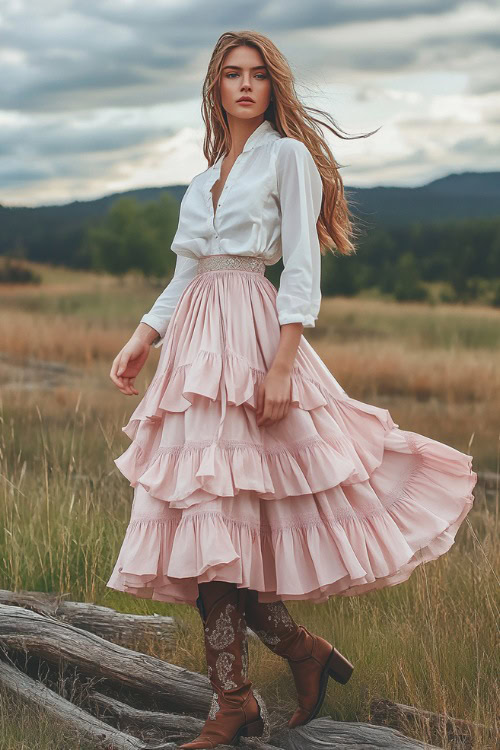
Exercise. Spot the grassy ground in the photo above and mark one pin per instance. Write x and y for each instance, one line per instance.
(64, 507)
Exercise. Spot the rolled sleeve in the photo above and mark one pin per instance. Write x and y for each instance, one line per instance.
(163, 309)
(300, 190)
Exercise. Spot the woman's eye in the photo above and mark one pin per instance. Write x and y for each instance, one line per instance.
(263, 75)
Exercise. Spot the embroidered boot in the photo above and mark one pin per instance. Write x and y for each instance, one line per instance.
(236, 709)
(311, 658)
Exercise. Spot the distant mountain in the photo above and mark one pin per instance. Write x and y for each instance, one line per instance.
(482, 184)
(456, 196)
(92, 208)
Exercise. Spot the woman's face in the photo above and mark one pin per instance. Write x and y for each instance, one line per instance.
(244, 74)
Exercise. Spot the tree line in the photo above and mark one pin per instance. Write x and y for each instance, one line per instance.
(400, 261)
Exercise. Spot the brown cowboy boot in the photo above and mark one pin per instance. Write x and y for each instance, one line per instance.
(311, 658)
(236, 709)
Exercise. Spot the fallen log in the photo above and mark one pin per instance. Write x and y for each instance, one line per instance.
(108, 623)
(37, 695)
(84, 725)
(175, 725)
(323, 733)
(457, 732)
(319, 733)
(59, 642)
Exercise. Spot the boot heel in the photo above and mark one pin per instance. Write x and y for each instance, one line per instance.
(254, 729)
(339, 667)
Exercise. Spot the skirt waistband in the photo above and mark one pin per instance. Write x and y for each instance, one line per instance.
(227, 261)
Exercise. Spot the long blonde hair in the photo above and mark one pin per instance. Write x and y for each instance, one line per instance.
(290, 118)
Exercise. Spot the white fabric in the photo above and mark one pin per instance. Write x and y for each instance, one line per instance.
(268, 209)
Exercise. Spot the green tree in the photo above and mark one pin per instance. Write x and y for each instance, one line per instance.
(135, 236)
(338, 275)
(408, 285)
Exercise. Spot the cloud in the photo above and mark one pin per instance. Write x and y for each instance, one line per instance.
(99, 93)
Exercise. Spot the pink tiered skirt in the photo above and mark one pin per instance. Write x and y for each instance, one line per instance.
(332, 499)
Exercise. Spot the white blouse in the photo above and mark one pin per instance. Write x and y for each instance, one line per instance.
(268, 209)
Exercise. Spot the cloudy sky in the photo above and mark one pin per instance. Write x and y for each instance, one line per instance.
(101, 96)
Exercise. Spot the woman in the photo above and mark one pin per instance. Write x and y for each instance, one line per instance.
(256, 478)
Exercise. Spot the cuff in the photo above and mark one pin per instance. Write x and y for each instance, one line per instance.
(159, 324)
(306, 320)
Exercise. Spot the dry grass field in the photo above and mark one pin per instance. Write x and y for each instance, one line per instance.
(429, 642)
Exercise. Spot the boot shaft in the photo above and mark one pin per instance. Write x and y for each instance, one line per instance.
(226, 642)
(236, 710)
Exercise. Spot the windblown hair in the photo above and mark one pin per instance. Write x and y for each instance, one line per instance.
(290, 118)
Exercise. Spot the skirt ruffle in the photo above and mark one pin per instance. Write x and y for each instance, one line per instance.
(333, 499)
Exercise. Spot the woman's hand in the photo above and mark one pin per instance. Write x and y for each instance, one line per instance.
(275, 392)
(128, 363)
(274, 396)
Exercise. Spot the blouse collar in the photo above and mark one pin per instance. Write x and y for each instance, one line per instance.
(260, 135)
(264, 132)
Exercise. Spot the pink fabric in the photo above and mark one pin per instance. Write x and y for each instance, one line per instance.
(333, 499)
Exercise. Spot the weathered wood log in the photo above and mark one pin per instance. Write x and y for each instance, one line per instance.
(118, 627)
(175, 727)
(56, 642)
(343, 735)
(104, 621)
(37, 695)
(60, 642)
(319, 733)
(84, 725)
(457, 732)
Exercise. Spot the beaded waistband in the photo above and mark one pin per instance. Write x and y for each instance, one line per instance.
(235, 262)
